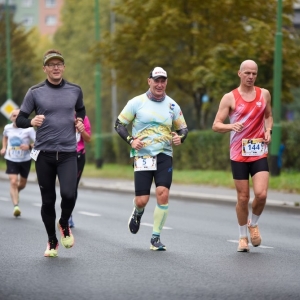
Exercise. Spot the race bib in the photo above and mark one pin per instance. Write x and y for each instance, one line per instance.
(144, 163)
(253, 147)
(16, 152)
(34, 154)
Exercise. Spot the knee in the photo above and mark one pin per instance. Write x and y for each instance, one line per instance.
(261, 197)
(243, 200)
(162, 194)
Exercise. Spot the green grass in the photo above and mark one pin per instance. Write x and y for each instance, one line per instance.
(287, 181)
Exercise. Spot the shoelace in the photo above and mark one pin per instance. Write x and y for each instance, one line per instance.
(254, 232)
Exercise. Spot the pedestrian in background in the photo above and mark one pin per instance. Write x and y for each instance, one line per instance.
(54, 102)
(16, 146)
(83, 135)
(249, 110)
(153, 115)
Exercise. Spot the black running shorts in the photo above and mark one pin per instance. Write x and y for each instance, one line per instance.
(241, 170)
(21, 168)
(162, 176)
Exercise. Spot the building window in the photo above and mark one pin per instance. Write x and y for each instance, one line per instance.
(27, 20)
(26, 3)
(51, 20)
(50, 3)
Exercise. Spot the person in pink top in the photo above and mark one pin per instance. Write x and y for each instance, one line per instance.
(249, 110)
(83, 135)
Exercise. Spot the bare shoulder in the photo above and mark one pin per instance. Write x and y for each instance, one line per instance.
(266, 94)
(228, 100)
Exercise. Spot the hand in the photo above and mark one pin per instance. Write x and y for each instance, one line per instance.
(79, 126)
(267, 138)
(24, 147)
(3, 150)
(176, 138)
(237, 127)
(38, 120)
(137, 144)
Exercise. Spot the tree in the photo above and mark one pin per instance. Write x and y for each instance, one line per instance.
(23, 62)
(201, 45)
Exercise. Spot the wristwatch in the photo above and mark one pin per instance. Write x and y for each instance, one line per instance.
(270, 129)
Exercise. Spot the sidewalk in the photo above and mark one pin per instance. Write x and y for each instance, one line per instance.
(189, 192)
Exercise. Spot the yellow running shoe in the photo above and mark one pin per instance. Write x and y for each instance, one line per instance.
(243, 245)
(51, 250)
(255, 236)
(17, 211)
(67, 238)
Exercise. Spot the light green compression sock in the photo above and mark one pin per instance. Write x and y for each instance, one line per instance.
(160, 216)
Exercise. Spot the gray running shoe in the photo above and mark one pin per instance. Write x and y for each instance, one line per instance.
(156, 244)
(135, 221)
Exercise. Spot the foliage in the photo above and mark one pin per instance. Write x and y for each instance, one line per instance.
(201, 45)
(23, 62)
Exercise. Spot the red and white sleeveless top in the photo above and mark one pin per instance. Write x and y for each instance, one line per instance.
(252, 115)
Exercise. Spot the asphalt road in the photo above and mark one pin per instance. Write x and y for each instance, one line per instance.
(107, 262)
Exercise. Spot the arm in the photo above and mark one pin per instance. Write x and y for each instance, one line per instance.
(268, 116)
(4, 145)
(85, 129)
(226, 105)
(179, 136)
(79, 107)
(123, 132)
(22, 120)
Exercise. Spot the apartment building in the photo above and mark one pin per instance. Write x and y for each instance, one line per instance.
(44, 14)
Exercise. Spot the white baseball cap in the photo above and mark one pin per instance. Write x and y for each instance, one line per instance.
(158, 72)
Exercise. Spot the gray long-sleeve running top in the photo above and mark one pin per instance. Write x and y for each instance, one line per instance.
(58, 103)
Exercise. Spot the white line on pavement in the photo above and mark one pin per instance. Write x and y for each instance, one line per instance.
(151, 225)
(261, 246)
(88, 214)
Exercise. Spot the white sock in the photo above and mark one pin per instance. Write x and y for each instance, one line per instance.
(243, 231)
(254, 220)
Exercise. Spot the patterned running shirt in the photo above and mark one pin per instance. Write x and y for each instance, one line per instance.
(152, 123)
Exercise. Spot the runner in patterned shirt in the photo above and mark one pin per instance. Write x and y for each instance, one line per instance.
(153, 115)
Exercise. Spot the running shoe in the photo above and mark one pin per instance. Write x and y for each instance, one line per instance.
(17, 211)
(135, 221)
(243, 245)
(67, 238)
(255, 236)
(71, 222)
(156, 244)
(51, 250)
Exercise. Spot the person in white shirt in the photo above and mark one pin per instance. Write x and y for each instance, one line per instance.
(16, 146)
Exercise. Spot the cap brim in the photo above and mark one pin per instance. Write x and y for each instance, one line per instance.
(54, 56)
(156, 77)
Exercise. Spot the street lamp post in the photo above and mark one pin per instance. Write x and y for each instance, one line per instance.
(98, 150)
(276, 137)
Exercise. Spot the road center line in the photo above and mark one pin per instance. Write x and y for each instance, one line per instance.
(88, 214)
(151, 225)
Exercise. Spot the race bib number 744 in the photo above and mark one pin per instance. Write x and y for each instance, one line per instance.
(253, 147)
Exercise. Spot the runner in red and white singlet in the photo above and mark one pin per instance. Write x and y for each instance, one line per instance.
(249, 110)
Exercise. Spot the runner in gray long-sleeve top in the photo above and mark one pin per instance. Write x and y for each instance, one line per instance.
(54, 102)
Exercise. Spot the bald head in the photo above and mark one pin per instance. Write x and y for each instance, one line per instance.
(14, 114)
(248, 64)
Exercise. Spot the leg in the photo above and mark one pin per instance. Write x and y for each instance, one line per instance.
(66, 172)
(260, 186)
(14, 193)
(22, 183)
(163, 180)
(243, 197)
(46, 174)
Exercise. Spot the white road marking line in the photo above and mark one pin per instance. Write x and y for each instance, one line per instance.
(151, 225)
(88, 214)
(261, 246)
(4, 199)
